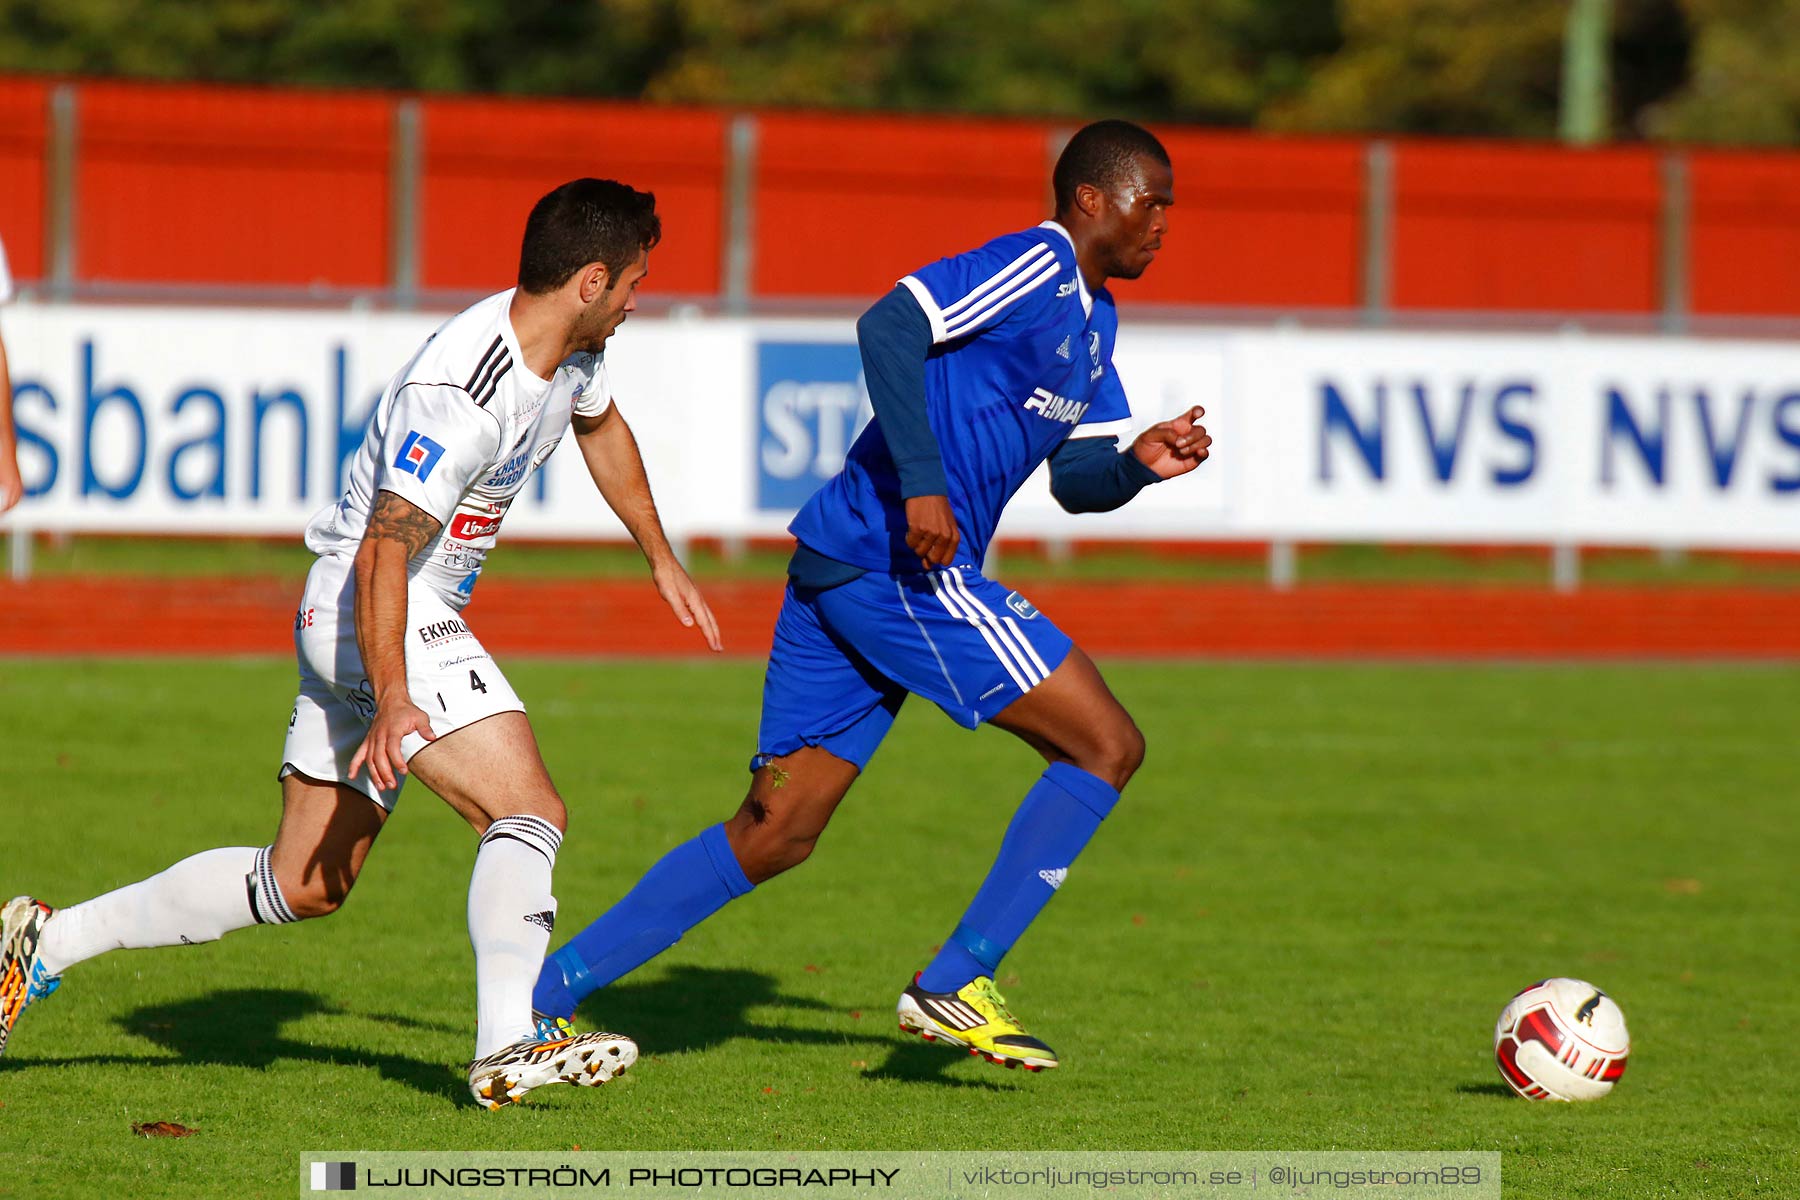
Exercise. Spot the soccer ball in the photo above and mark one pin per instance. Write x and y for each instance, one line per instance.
(1561, 1039)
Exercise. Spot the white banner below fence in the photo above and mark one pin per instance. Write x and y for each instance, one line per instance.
(203, 421)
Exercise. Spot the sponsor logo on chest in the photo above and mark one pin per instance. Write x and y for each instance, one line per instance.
(510, 472)
(1052, 407)
(469, 527)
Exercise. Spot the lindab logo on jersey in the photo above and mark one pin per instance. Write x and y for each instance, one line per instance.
(469, 527)
(418, 455)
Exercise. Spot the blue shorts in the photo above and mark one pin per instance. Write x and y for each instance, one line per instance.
(845, 657)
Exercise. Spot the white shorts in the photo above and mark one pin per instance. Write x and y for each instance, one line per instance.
(448, 674)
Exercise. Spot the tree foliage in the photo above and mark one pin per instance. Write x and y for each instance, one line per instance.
(1744, 82)
(1700, 70)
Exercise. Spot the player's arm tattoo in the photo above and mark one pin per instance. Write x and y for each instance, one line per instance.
(394, 519)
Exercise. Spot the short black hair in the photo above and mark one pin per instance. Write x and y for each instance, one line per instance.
(1102, 154)
(581, 222)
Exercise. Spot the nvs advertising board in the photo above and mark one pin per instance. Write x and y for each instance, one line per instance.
(241, 421)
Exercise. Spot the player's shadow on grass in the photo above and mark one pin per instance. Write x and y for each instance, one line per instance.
(915, 1062)
(243, 1028)
(700, 1008)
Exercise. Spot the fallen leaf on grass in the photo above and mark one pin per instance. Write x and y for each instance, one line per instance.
(162, 1129)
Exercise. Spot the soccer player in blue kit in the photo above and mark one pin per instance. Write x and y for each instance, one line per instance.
(979, 367)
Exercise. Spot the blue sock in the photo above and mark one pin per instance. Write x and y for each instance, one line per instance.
(687, 885)
(1058, 817)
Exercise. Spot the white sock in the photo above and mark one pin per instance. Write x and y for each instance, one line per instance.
(199, 899)
(511, 913)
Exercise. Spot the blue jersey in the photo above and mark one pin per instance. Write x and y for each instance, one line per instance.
(1021, 360)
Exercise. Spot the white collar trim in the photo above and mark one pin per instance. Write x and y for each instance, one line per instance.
(1087, 301)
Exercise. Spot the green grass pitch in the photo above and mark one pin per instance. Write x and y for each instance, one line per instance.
(1295, 932)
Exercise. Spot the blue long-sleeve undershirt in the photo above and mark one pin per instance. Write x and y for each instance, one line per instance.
(1090, 474)
(895, 339)
(894, 336)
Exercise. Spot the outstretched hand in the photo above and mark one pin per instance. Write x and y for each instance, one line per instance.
(1174, 447)
(684, 600)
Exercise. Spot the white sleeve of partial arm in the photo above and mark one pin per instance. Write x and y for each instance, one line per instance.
(436, 445)
(596, 397)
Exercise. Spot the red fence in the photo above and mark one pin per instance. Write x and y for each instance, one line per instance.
(24, 134)
(487, 161)
(146, 184)
(1497, 226)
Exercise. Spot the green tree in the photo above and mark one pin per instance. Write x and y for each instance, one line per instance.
(1698, 70)
(1216, 62)
(1476, 67)
(1219, 62)
(1744, 84)
(1435, 66)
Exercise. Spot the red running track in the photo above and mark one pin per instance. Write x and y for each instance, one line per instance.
(210, 616)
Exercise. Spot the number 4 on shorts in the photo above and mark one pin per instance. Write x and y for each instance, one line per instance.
(475, 684)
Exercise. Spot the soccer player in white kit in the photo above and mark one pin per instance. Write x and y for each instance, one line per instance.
(392, 679)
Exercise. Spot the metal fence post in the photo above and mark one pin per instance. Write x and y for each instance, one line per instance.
(1565, 566)
(739, 260)
(1284, 565)
(59, 183)
(1672, 258)
(404, 218)
(1377, 232)
(18, 551)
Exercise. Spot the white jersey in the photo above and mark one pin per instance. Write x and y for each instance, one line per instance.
(457, 433)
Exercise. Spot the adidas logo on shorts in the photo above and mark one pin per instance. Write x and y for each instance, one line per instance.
(544, 920)
(1054, 878)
